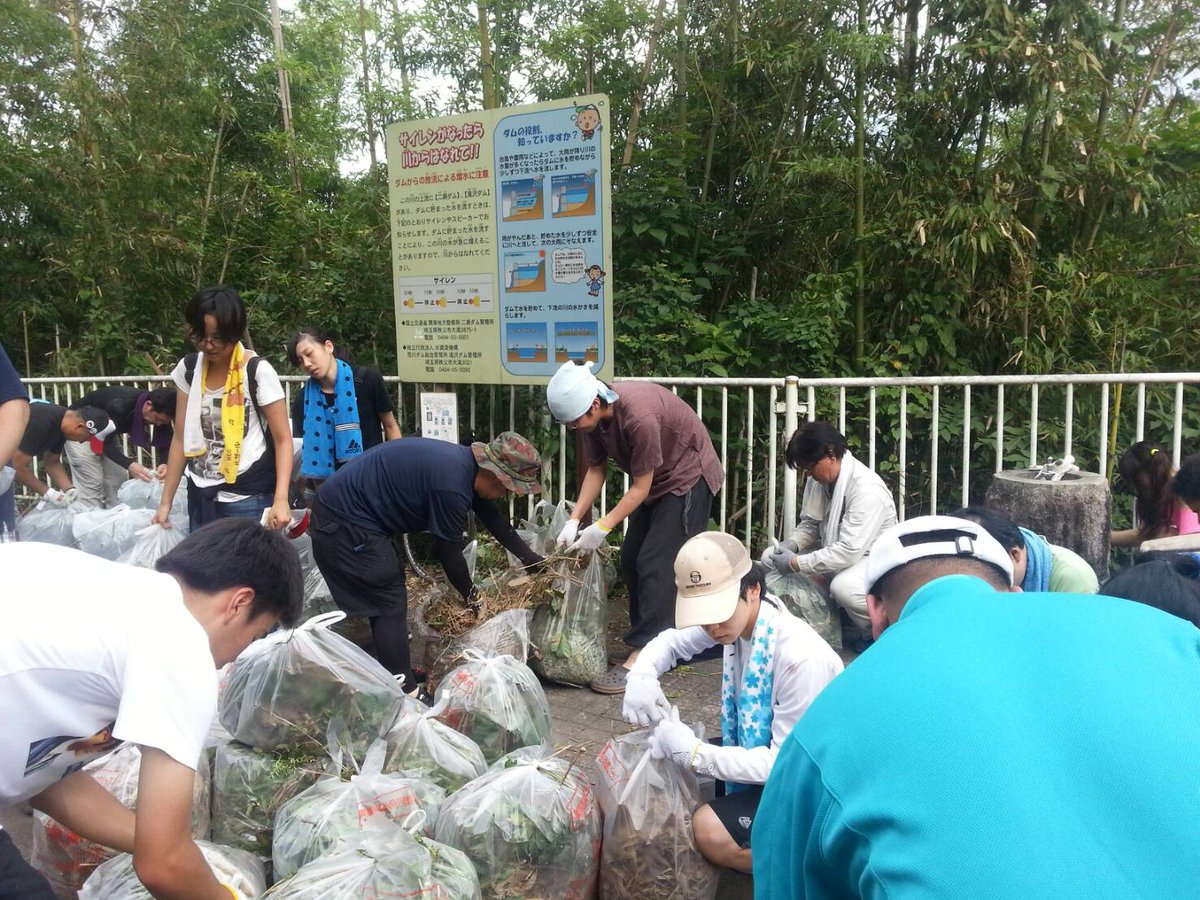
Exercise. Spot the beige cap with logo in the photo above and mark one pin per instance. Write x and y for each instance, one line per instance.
(708, 578)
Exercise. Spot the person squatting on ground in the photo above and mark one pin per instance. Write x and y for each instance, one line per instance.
(775, 664)
(1038, 565)
(100, 467)
(111, 653)
(664, 447)
(990, 744)
(342, 411)
(406, 486)
(231, 431)
(1148, 471)
(14, 416)
(48, 430)
(844, 508)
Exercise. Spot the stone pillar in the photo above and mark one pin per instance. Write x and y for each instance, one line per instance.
(1075, 513)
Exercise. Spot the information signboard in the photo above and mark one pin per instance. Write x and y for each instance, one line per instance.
(502, 242)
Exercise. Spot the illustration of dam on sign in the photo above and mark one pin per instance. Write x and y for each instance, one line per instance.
(573, 195)
(521, 200)
(576, 342)
(526, 342)
(525, 271)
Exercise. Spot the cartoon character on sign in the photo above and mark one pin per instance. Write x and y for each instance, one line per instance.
(595, 276)
(587, 120)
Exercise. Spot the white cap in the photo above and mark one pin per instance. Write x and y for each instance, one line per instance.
(930, 536)
(572, 389)
(708, 578)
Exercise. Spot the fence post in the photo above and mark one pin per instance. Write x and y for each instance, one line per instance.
(791, 407)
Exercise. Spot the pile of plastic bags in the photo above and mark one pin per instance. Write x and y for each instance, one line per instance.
(422, 744)
(117, 880)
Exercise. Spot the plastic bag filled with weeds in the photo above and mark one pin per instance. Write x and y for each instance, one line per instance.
(530, 825)
(312, 822)
(65, 858)
(496, 701)
(649, 848)
(108, 533)
(284, 690)
(50, 524)
(808, 601)
(422, 744)
(318, 599)
(250, 785)
(150, 543)
(116, 879)
(570, 631)
(384, 863)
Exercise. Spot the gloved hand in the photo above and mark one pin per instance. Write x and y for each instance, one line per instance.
(57, 498)
(675, 741)
(567, 536)
(781, 558)
(765, 559)
(592, 538)
(137, 470)
(644, 703)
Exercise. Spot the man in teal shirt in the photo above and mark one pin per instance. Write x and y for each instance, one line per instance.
(990, 744)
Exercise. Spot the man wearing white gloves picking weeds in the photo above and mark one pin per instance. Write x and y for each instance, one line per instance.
(775, 665)
(658, 439)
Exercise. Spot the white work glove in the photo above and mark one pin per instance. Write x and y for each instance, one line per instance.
(781, 559)
(644, 703)
(765, 559)
(59, 499)
(675, 741)
(592, 538)
(567, 536)
(140, 472)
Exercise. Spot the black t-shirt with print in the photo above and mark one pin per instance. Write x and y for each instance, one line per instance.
(43, 434)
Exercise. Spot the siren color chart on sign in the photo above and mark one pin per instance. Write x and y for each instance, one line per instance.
(501, 241)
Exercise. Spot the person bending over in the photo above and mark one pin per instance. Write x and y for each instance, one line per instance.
(1038, 565)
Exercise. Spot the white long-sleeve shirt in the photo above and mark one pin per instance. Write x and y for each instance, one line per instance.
(868, 509)
(803, 665)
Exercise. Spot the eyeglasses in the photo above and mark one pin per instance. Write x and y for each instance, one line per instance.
(209, 340)
(571, 426)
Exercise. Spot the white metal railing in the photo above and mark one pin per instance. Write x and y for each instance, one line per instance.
(978, 421)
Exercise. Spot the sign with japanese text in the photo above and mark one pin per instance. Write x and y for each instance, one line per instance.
(502, 242)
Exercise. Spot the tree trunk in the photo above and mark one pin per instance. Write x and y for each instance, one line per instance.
(487, 65)
(285, 95)
(636, 112)
(860, 164)
(366, 77)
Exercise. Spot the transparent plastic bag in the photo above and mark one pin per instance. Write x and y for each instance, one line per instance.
(496, 701)
(570, 632)
(65, 858)
(530, 825)
(108, 533)
(420, 743)
(808, 601)
(248, 788)
(152, 542)
(116, 879)
(649, 850)
(384, 864)
(138, 494)
(285, 690)
(7, 475)
(312, 822)
(49, 524)
(318, 599)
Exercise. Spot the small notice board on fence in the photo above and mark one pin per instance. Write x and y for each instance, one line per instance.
(439, 416)
(502, 242)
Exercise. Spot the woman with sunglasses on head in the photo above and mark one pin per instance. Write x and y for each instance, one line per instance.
(343, 410)
(231, 431)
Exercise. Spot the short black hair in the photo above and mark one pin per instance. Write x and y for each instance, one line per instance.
(995, 523)
(241, 553)
(223, 304)
(1159, 584)
(756, 576)
(812, 441)
(1186, 483)
(163, 400)
(320, 336)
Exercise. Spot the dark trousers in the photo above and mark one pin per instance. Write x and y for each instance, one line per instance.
(656, 532)
(18, 879)
(204, 508)
(365, 575)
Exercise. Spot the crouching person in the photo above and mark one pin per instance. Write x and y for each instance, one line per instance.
(96, 653)
(775, 665)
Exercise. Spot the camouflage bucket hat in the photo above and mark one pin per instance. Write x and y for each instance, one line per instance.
(513, 460)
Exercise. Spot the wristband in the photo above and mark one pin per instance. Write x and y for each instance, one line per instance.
(692, 760)
(232, 892)
(602, 528)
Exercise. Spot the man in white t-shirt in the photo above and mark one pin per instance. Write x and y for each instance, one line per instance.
(775, 665)
(95, 653)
